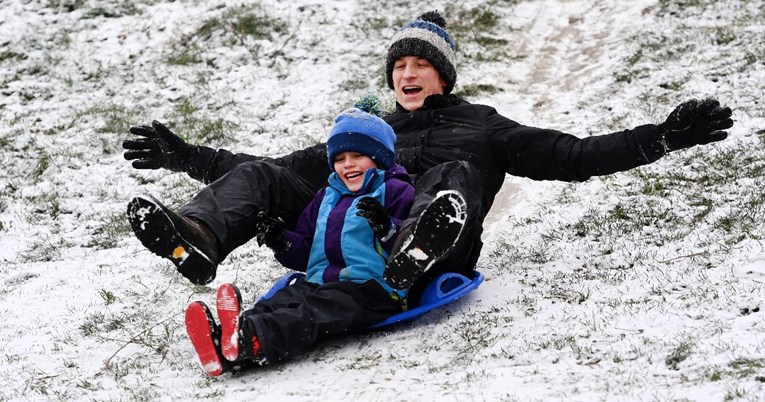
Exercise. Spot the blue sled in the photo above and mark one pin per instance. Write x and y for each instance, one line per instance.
(443, 290)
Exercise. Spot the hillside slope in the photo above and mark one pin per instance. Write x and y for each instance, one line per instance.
(643, 285)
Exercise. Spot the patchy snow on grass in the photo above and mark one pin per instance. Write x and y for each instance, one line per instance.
(641, 285)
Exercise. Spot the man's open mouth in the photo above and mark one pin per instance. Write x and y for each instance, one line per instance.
(410, 90)
(353, 175)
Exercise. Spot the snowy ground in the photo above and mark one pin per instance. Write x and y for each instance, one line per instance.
(643, 285)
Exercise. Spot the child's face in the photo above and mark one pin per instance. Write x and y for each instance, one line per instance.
(351, 167)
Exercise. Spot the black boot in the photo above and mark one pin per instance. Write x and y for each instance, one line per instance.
(189, 244)
(434, 235)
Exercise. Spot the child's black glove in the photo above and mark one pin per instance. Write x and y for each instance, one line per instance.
(157, 147)
(271, 233)
(696, 122)
(374, 212)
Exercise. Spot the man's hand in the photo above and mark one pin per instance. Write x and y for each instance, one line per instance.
(271, 233)
(374, 212)
(157, 147)
(696, 122)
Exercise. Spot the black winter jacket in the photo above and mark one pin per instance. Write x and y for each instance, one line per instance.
(448, 128)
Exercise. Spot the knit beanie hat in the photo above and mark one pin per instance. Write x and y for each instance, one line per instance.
(425, 37)
(358, 131)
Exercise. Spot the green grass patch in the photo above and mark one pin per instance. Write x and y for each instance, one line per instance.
(244, 25)
(110, 232)
(679, 354)
(469, 90)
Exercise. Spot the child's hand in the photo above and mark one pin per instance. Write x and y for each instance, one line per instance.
(374, 212)
(271, 233)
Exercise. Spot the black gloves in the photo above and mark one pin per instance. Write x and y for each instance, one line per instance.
(695, 122)
(159, 148)
(271, 233)
(374, 212)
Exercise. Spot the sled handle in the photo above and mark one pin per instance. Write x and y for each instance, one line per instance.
(445, 285)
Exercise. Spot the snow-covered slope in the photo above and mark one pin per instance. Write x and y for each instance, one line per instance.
(643, 285)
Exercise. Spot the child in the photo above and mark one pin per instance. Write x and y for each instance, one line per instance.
(342, 241)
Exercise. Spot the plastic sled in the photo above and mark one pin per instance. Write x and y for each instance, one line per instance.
(441, 291)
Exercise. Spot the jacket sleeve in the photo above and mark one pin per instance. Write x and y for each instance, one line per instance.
(301, 239)
(397, 204)
(543, 154)
(208, 164)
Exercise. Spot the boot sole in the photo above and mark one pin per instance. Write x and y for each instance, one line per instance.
(200, 327)
(434, 236)
(157, 232)
(229, 304)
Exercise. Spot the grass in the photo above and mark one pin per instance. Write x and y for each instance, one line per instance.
(479, 32)
(246, 26)
(109, 232)
(117, 118)
(679, 354)
(472, 90)
(193, 122)
(122, 9)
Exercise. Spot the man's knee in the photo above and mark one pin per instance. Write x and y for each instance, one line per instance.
(257, 170)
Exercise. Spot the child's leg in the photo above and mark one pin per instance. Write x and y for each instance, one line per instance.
(297, 316)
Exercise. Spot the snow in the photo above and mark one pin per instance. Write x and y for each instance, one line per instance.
(642, 285)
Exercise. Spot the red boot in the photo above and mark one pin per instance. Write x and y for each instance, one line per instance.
(205, 337)
(229, 303)
(236, 344)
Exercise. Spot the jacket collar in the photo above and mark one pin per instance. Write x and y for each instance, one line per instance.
(370, 182)
(435, 102)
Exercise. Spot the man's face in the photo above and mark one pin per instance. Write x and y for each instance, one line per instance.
(414, 78)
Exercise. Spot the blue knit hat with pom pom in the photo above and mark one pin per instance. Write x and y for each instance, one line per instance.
(358, 131)
(425, 37)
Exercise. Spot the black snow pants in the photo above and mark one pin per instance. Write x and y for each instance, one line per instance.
(464, 178)
(298, 316)
(229, 206)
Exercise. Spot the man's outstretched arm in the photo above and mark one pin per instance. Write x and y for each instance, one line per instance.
(157, 147)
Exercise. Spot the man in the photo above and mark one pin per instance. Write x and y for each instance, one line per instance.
(443, 141)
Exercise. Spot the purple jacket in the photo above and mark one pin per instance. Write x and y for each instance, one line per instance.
(331, 243)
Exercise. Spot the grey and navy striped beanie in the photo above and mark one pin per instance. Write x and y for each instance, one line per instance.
(425, 37)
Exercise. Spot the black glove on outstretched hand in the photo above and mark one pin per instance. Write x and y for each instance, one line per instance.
(374, 212)
(159, 148)
(271, 232)
(696, 122)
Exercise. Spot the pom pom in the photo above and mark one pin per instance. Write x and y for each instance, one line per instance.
(434, 17)
(370, 104)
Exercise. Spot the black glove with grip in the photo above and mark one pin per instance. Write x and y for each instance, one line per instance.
(695, 122)
(158, 148)
(271, 233)
(375, 213)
